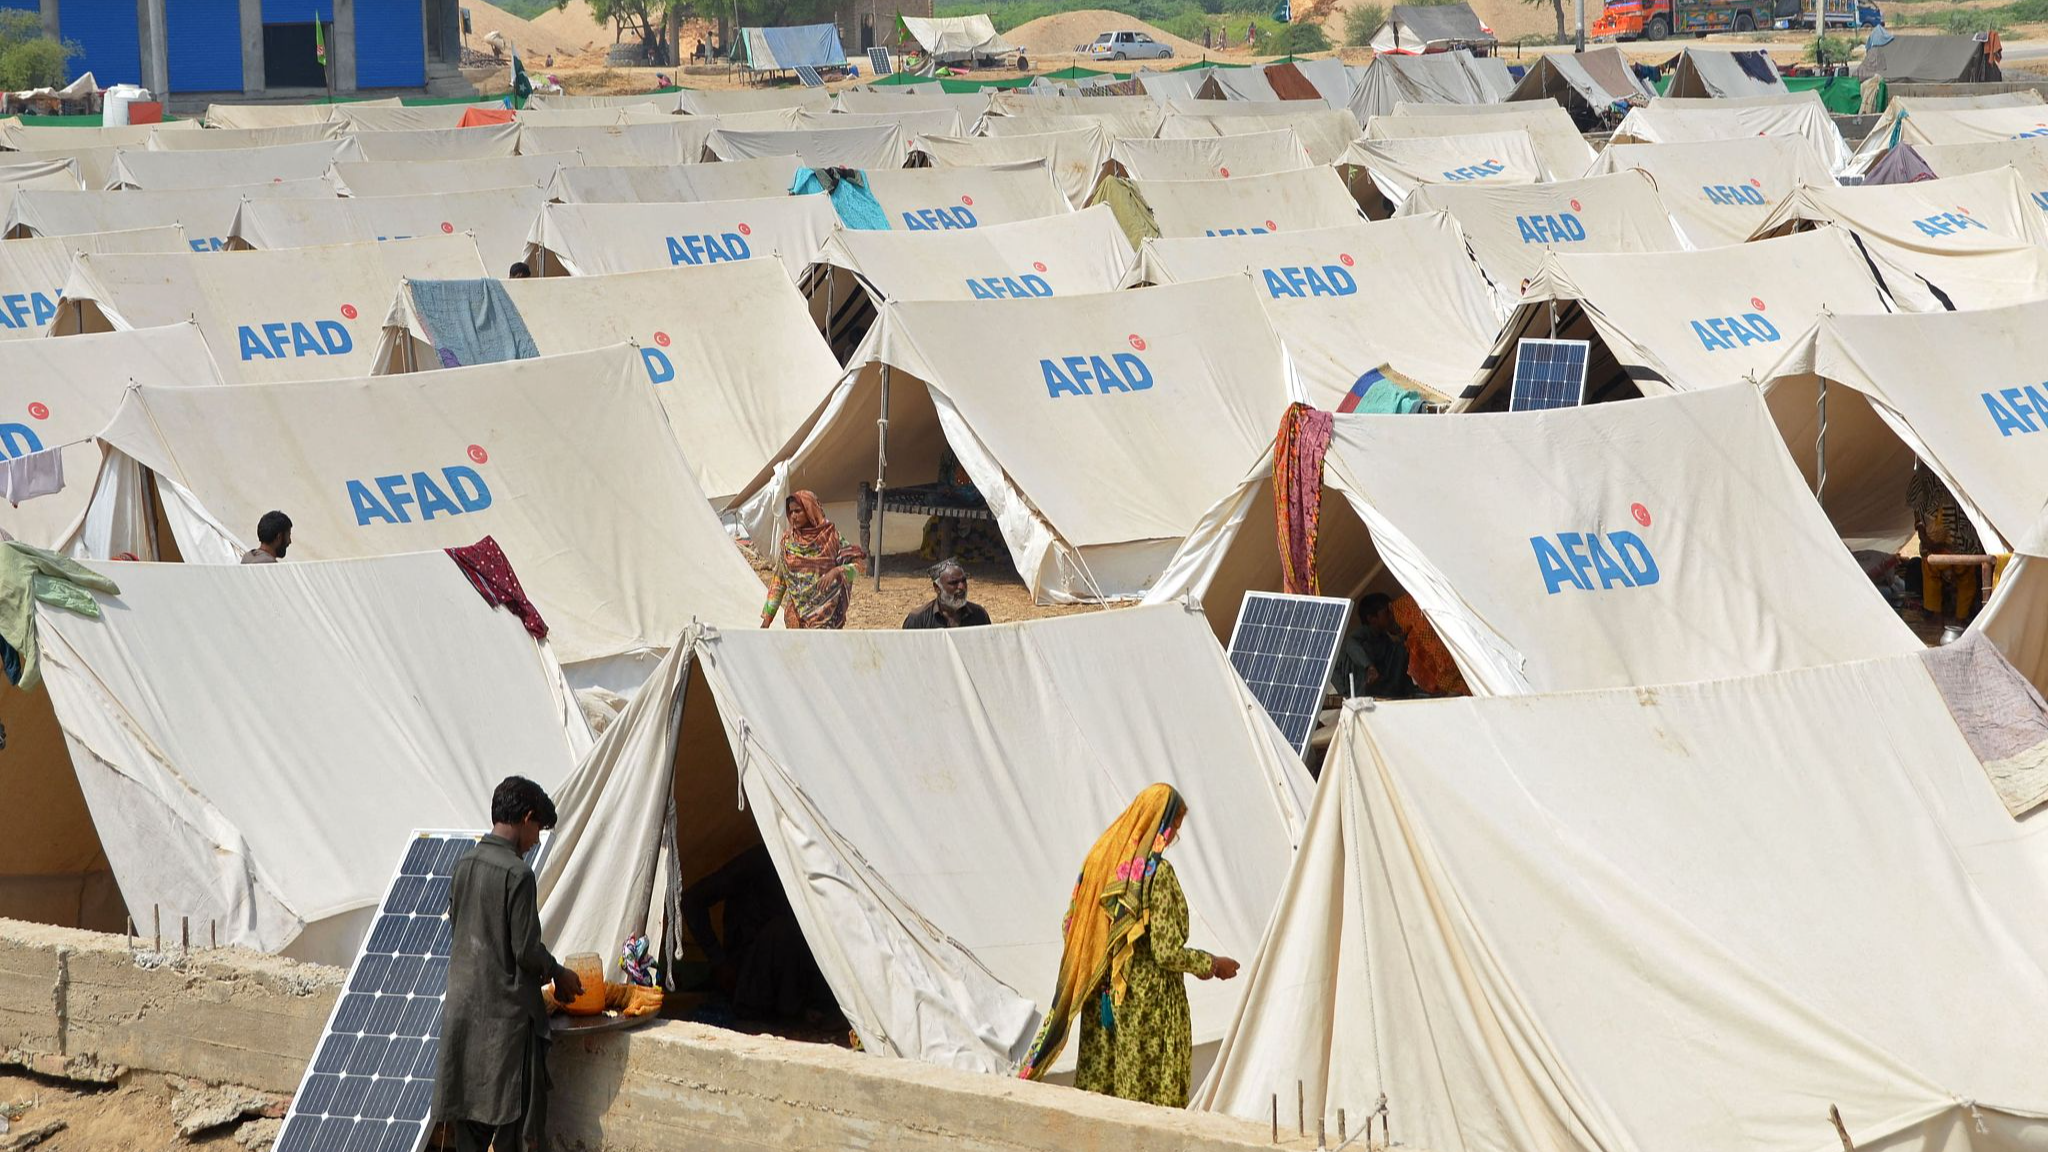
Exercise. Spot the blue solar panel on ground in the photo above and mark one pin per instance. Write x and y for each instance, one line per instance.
(879, 57)
(370, 1087)
(1549, 374)
(1282, 647)
(809, 76)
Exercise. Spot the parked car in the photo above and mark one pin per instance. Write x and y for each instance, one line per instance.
(1128, 46)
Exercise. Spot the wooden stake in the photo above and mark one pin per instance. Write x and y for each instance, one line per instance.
(1276, 1117)
(156, 916)
(1835, 1118)
(1342, 1138)
(1301, 1107)
(213, 933)
(185, 933)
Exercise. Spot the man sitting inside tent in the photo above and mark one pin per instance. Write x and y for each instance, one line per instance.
(949, 607)
(761, 960)
(1374, 659)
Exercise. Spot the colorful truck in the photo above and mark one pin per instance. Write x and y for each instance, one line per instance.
(1657, 19)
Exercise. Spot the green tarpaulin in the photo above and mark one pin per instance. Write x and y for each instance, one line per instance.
(1843, 95)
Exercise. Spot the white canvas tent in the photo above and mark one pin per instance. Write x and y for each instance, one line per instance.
(28, 138)
(916, 123)
(1708, 73)
(95, 165)
(1595, 81)
(970, 105)
(362, 116)
(58, 174)
(673, 140)
(1974, 241)
(440, 145)
(1956, 389)
(952, 39)
(873, 146)
(1564, 152)
(1115, 124)
(499, 220)
(1693, 916)
(591, 117)
(1662, 122)
(164, 171)
(949, 199)
(1439, 78)
(284, 314)
(718, 102)
(33, 271)
(1594, 547)
(1951, 120)
(1348, 300)
(1511, 226)
(1211, 158)
(681, 183)
(566, 460)
(417, 177)
(234, 139)
(1076, 155)
(1721, 191)
(1324, 132)
(1719, 316)
(588, 239)
(233, 737)
(1432, 28)
(206, 214)
(60, 393)
(729, 350)
(280, 115)
(926, 840)
(1397, 167)
(1162, 397)
(1239, 206)
(2029, 156)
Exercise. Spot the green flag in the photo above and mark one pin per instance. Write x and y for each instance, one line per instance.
(319, 40)
(521, 86)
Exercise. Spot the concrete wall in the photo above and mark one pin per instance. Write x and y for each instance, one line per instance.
(89, 1006)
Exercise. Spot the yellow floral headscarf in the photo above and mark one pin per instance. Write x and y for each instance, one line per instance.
(1106, 917)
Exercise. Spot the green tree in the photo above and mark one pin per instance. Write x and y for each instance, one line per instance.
(1361, 22)
(1557, 8)
(1298, 40)
(29, 59)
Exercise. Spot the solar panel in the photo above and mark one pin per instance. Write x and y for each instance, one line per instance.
(879, 57)
(1549, 374)
(809, 75)
(1282, 646)
(370, 1087)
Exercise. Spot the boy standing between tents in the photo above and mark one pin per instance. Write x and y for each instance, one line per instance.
(491, 1088)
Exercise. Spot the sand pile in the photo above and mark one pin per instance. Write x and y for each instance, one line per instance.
(1509, 19)
(533, 43)
(1058, 35)
(575, 26)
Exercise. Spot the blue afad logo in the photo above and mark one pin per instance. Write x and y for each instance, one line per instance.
(660, 370)
(18, 440)
(2021, 410)
(1008, 287)
(459, 490)
(704, 248)
(1093, 375)
(1732, 194)
(280, 341)
(1307, 280)
(28, 309)
(207, 244)
(1563, 228)
(2040, 200)
(1475, 171)
(1948, 224)
(937, 219)
(1237, 232)
(1620, 560)
(1718, 333)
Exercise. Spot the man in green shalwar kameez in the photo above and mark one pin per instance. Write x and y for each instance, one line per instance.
(492, 1084)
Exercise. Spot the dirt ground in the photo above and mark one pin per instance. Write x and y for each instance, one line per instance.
(1060, 34)
(134, 1117)
(906, 588)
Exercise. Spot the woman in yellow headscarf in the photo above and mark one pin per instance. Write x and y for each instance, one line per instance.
(1126, 959)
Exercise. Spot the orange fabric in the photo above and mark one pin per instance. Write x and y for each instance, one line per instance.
(477, 117)
(1429, 663)
(1298, 494)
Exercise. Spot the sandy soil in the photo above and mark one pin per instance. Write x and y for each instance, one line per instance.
(534, 43)
(906, 588)
(135, 1117)
(575, 27)
(1058, 35)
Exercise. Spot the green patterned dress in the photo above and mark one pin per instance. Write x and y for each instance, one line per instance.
(1149, 1056)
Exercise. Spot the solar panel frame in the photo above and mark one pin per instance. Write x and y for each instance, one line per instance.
(809, 75)
(1549, 374)
(377, 1057)
(878, 57)
(1283, 646)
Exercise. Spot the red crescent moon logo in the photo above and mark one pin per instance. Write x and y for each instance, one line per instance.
(1137, 342)
(348, 311)
(1345, 259)
(1641, 514)
(967, 200)
(447, 227)
(1038, 265)
(1756, 303)
(746, 231)
(39, 410)
(1575, 206)
(661, 338)
(477, 453)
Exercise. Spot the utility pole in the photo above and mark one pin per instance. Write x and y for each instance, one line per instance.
(1579, 12)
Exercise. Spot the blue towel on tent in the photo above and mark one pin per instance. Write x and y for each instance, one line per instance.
(848, 190)
(471, 322)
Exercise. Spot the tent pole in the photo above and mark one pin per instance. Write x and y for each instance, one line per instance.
(831, 282)
(1820, 444)
(881, 475)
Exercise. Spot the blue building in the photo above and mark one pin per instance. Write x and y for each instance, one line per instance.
(252, 47)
